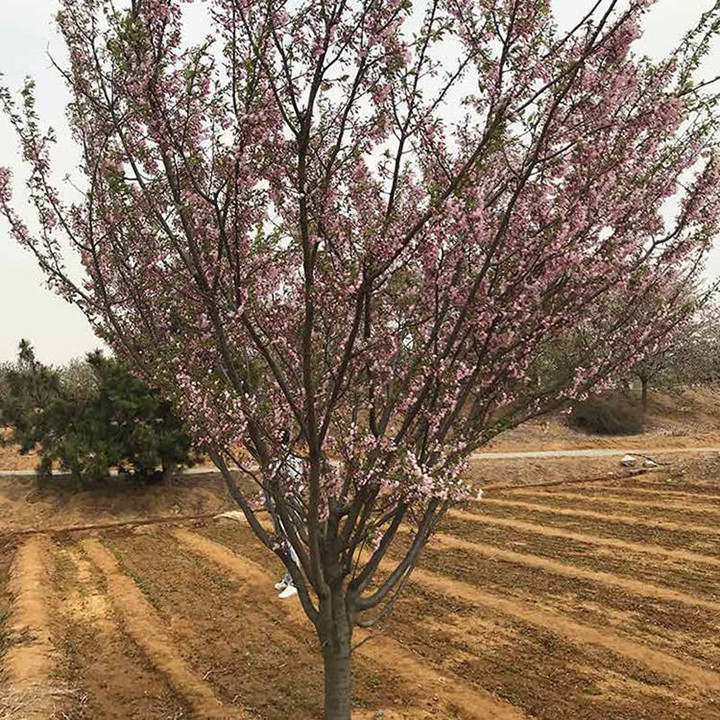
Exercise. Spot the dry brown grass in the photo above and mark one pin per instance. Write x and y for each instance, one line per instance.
(20, 703)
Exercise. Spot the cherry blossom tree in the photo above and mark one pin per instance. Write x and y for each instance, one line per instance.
(689, 305)
(689, 354)
(368, 223)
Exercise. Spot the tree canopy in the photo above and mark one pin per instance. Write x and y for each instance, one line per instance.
(90, 417)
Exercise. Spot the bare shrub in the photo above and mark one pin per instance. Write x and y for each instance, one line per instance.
(612, 414)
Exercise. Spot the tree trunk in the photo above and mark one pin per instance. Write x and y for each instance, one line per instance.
(335, 631)
(169, 469)
(644, 393)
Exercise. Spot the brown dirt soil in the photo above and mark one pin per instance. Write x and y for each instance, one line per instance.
(651, 563)
(11, 459)
(688, 515)
(144, 625)
(29, 686)
(25, 503)
(8, 548)
(668, 520)
(234, 638)
(637, 587)
(423, 623)
(670, 535)
(592, 602)
(113, 678)
(581, 601)
(634, 495)
(490, 473)
(380, 651)
(604, 500)
(246, 646)
(684, 418)
(7, 554)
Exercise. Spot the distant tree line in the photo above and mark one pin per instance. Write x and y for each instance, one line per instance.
(89, 417)
(688, 355)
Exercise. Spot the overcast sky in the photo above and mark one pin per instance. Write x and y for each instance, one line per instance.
(58, 330)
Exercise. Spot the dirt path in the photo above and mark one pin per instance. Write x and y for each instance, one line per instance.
(146, 629)
(88, 604)
(636, 587)
(30, 660)
(606, 517)
(481, 456)
(382, 651)
(688, 673)
(650, 549)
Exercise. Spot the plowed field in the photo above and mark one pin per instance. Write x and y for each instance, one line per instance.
(578, 601)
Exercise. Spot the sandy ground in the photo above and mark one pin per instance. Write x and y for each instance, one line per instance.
(685, 418)
(595, 600)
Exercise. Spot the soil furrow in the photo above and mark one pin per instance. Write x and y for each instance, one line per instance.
(654, 495)
(546, 674)
(147, 630)
(233, 636)
(634, 586)
(606, 517)
(114, 680)
(7, 556)
(242, 640)
(474, 703)
(613, 499)
(606, 477)
(690, 674)
(668, 486)
(668, 627)
(697, 579)
(604, 525)
(111, 525)
(617, 543)
(31, 657)
(682, 619)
